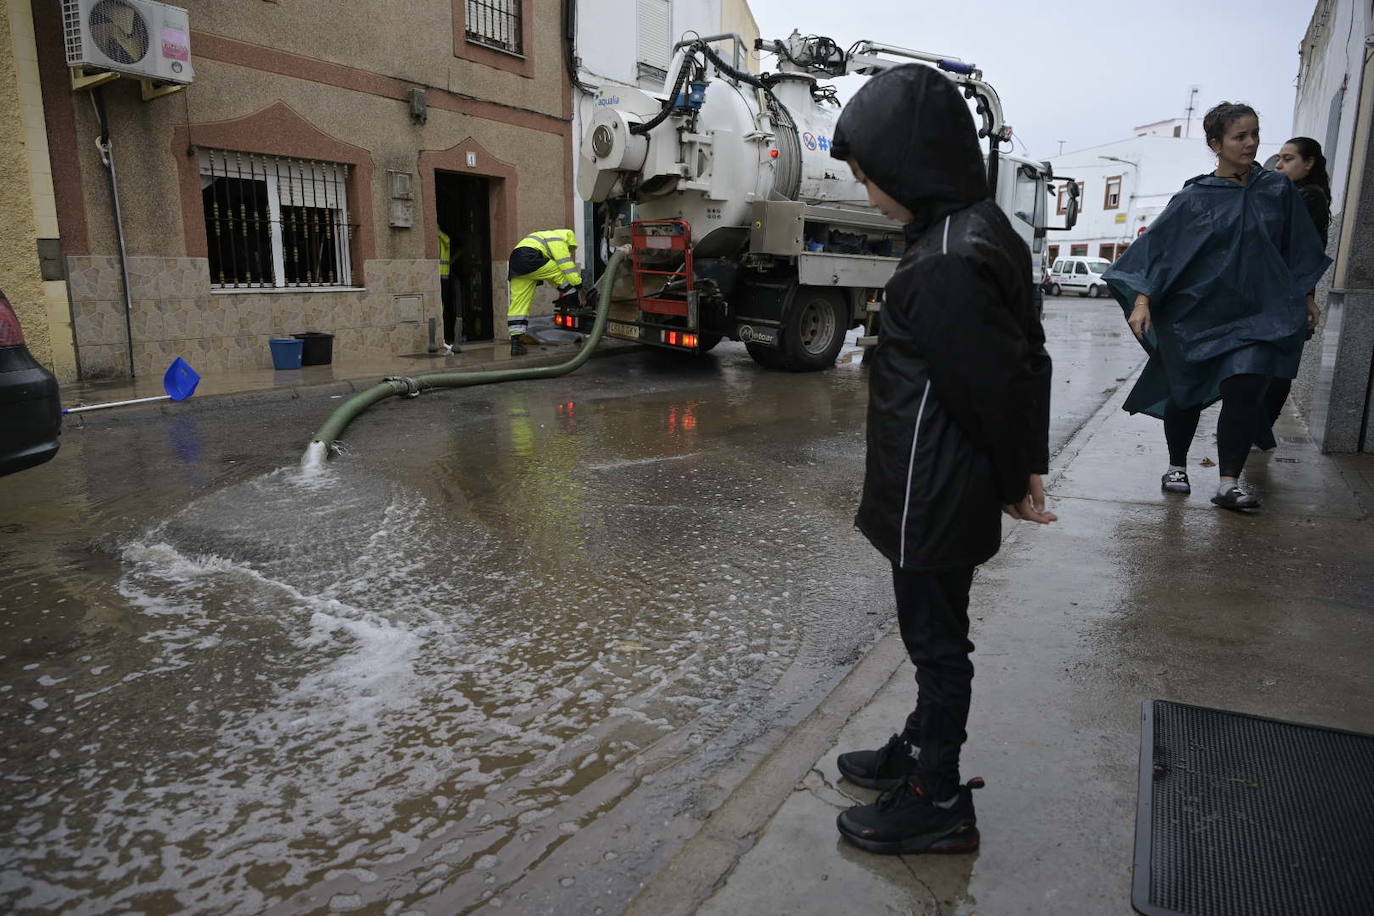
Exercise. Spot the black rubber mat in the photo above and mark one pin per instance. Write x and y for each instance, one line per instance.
(1243, 815)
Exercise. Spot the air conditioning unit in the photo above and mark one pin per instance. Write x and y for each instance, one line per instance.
(141, 38)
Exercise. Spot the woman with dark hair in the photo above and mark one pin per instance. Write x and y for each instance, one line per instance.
(1302, 161)
(1217, 291)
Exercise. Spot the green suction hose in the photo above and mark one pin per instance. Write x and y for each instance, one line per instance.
(338, 421)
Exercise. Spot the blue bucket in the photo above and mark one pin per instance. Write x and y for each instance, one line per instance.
(286, 352)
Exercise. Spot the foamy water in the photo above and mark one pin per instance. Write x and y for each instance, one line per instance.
(340, 679)
(315, 458)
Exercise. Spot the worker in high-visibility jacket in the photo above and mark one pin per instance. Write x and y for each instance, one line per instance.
(448, 291)
(547, 256)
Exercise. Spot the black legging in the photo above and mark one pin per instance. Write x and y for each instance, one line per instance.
(1243, 414)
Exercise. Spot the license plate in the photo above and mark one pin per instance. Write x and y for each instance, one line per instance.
(623, 330)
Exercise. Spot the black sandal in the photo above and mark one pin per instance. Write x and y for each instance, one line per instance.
(1175, 482)
(1236, 498)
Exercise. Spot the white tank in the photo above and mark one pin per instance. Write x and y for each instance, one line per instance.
(743, 150)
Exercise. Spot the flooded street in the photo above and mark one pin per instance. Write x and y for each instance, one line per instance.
(506, 650)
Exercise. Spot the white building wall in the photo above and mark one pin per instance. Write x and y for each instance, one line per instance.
(1154, 170)
(1333, 98)
(1329, 86)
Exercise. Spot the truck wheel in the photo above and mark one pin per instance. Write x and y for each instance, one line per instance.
(767, 357)
(707, 342)
(1055, 290)
(814, 330)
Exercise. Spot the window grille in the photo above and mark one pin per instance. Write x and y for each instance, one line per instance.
(275, 223)
(495, 23)
(1078, 251)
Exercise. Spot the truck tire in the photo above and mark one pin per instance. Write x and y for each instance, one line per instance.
(813, 330)
(707, 342)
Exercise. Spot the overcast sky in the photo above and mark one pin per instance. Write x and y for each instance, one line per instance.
(1081, 72)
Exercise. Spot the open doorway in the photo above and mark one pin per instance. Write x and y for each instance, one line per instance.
(462, 205)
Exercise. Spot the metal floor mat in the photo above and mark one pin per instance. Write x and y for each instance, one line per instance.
(1243, 815)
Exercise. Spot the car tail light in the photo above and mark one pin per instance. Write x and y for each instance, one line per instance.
(11, 334)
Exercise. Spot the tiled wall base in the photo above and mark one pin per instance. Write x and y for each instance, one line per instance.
(175, 313)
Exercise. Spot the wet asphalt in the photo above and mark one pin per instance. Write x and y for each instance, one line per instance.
(508, 650)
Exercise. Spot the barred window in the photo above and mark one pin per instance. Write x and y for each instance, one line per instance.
(495, 23)
(275, 223)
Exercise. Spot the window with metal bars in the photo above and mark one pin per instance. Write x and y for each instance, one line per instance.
(273, 222)
(495, 23)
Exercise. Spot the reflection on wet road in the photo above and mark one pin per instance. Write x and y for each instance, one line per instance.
(506, 650)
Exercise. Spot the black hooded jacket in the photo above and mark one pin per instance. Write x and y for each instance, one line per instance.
(959, 384)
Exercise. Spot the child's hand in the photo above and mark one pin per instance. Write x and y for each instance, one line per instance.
(1032, 508)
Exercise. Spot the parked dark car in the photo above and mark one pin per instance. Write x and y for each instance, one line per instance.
(30, 412)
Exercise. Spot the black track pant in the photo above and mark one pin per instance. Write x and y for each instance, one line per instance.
(1244, 414)
(932, 611)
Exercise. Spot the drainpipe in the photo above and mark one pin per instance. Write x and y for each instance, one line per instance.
(107, 158)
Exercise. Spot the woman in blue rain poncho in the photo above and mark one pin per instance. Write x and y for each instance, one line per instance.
(1217, 292)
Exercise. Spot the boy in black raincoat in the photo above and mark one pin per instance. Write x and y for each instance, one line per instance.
(958, 429)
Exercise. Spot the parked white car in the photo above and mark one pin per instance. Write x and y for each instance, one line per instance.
(1079, 275)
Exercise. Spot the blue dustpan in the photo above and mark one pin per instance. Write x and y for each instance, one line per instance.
(180, 380)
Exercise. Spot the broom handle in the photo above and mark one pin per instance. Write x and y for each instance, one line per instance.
(161, 397)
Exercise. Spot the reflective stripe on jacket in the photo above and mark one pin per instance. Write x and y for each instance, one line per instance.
(558, 245)
(445, 254)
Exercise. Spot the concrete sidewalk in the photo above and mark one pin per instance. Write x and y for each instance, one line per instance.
(1132, 595)
(345, 376)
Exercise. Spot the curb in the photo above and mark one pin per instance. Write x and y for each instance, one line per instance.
(706, 860)
(333, 388)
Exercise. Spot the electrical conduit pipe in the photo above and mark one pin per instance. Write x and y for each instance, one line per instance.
(322, 443)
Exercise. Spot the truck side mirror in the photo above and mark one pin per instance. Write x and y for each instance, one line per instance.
(1071, 210)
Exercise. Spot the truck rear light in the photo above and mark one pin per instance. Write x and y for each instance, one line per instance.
(680, 339)
(11, 334)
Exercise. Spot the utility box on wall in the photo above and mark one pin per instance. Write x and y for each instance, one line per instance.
(401, 209)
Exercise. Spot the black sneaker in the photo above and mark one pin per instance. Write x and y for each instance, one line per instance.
(884, 768)
(517, 345)
(904, 821)
(1236, 498)
(1175, 482)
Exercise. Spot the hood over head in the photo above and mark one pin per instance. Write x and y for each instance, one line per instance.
(911, 132)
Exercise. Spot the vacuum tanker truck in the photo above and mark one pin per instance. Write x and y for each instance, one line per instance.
(745, 227)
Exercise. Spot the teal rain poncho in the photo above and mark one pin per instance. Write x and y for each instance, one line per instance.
(1227, 269)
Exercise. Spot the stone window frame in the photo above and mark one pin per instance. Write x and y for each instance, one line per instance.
(332, 179)
(277, 130)
(521, 64)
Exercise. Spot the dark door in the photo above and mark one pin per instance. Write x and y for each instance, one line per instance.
(463, 205)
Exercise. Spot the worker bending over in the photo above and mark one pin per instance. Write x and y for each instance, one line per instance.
(546, 256)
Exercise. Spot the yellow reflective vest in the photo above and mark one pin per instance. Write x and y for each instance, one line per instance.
(558, 244)
(445, 254)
